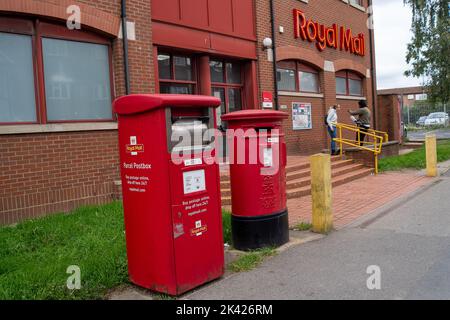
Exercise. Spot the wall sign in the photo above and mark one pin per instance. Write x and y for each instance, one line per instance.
(267, 100)
(333, 36)
(301, 116)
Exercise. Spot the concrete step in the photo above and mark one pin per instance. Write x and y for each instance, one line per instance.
(293, 175)
(305, 181)
(336, 181)
(226, 201)
(299, 182)
(304, 164)
(412, 145)
(306, 190)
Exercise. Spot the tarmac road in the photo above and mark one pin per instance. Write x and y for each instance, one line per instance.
(420, 135)
(409, 242)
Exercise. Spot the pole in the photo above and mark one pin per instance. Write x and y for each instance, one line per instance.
(125, 47)
(431, 155)
(322, 215)
(274, 55)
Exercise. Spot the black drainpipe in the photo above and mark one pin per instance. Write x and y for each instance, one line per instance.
(125, 47)
(372, 69)
(274, 55)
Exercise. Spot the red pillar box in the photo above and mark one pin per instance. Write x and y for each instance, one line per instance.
(258, 178)
(171, 191)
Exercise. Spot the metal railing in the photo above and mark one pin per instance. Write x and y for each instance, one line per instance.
(373, 145)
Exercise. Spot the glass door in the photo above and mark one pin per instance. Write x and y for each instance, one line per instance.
(227, 85)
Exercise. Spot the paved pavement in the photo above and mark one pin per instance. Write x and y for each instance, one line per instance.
(409, 241)
(420, 135)
(356, 198)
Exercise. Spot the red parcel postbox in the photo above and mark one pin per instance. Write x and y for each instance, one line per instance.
(171, 191)
(258, 178)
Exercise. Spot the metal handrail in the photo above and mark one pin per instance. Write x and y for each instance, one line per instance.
(374, 146)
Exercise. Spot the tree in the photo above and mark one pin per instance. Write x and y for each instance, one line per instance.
(429, 49)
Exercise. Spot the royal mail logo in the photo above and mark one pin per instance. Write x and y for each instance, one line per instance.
(134, 148)
(333, 36)
(199, 229)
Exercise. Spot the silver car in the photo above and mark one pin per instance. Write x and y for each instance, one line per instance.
(436, 118)
(421, 121)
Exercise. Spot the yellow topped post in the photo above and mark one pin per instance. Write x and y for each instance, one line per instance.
(322, 215)
(431, 155)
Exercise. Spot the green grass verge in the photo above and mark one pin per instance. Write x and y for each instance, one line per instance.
(34, 255)
(303, 226)
(226, 222)
(251, 260)
(415, 159)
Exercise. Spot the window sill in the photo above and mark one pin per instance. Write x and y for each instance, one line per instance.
(300, 94)
(57, 127)
(350, 98)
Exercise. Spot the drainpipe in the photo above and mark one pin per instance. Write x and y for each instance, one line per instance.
(372, 70)
(125, 47)
(274, 55)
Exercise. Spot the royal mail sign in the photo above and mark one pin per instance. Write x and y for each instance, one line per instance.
(336, 37)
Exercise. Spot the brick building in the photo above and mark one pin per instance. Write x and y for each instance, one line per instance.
(58, 135)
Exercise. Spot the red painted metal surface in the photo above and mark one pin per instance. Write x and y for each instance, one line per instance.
(256, 189)
(174, 237)
(229, 17)
(197, 40)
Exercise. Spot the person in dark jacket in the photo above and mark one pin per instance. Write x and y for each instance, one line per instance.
(363, 121)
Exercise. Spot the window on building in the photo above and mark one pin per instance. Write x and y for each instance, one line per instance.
(421, 97)
(77, 85)
(297, 77)
(17, 92)
(357, 2)
(176, 74)
(65, 78)
(348, 84)
(227, 84)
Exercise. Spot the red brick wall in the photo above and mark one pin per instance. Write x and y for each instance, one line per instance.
(325, 12)
(55, 172)
(44, 173)
(388, 116)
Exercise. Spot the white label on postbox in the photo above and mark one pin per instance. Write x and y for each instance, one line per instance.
(273, 140)
(194, 181)
(268, 157)
(192, 162)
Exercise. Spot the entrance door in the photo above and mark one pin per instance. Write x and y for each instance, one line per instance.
(227, 84)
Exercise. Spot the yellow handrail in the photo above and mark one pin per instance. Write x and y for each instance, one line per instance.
(374, 146)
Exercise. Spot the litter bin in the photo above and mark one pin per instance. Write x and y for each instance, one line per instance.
(171, 191)
(258, 178)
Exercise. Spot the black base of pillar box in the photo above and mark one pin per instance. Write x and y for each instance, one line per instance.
(250, 233)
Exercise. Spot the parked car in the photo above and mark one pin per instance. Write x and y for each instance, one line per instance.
(436, 118)
(421, 121)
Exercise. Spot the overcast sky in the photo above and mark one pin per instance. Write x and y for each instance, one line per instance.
(392, 22)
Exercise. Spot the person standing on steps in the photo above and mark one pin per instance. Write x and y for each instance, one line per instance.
(363, 121)
(330, 121)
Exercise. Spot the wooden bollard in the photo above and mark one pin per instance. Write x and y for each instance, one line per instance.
(322, 214)
(431, 155)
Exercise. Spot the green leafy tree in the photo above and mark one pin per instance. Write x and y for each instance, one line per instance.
(429, 50)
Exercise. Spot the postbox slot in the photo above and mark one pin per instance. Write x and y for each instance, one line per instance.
(186, 130)
(268, 129)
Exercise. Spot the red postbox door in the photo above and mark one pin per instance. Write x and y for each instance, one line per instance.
(197, 226)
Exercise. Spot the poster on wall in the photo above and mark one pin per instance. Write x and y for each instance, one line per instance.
(301, 116)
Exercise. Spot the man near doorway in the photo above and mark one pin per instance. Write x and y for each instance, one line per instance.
(363, 121)
(331, 121)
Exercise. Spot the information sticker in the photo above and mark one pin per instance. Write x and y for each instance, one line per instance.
(268, 157)
(194, 181)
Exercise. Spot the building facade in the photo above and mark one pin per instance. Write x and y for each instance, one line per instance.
(58, 133)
